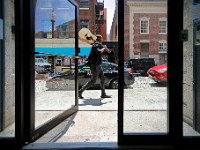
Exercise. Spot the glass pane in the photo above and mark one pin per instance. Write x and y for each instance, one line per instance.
(96, 120)
(145, 54)
(191, 72)
(54, 58)
(7, 70)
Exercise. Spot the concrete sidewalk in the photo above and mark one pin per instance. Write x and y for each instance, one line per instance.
(134, 99)
(96, 120)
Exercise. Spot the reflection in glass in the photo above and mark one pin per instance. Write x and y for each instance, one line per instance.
(54, 57)
(145, 52)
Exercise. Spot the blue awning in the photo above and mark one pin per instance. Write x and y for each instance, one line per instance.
(68, 51)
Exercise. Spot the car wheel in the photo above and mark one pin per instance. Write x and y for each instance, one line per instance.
(114, 84)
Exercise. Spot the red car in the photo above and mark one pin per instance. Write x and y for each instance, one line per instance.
(158, 73)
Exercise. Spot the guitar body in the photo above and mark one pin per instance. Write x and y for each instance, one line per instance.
(86, 36)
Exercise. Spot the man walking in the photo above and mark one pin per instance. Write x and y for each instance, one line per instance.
(94, 61)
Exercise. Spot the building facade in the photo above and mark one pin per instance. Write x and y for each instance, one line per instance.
(97, 22)
(145, 30)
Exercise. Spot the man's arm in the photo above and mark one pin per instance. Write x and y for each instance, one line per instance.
(104, 49)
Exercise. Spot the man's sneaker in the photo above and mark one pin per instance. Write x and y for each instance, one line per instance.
(105, 96)
(80, 95)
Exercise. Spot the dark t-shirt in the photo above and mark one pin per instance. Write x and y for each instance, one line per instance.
(95, 54)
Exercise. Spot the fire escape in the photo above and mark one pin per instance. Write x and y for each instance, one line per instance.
(99, 20)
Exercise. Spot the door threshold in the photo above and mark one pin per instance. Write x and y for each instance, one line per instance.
(72, 145)
(92, 146)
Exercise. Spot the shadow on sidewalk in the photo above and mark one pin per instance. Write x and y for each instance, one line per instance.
(93, 102)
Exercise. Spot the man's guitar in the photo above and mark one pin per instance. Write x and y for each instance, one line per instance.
(86, 36)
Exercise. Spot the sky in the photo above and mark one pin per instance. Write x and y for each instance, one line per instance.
(110, 5)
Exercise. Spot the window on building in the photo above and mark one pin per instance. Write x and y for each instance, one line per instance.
(84, 23)
(163, 45)
(84, 3)
(163, 26)
(144, 26)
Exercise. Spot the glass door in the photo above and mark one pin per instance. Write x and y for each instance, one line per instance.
(147, 111)
(55, 65)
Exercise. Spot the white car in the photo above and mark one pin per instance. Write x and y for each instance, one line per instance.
(42, 66)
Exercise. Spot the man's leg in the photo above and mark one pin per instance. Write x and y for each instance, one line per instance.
(102, 84)
(90, 83)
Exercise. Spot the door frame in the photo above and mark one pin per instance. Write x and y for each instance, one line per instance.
(24, 28)
(175, 78)
(2, 64)
(196, 71)
(28, 76)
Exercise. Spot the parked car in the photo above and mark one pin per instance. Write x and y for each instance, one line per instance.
(40, 69)
(110, 72)
(158, 73)
(42, 66)
(140, 65)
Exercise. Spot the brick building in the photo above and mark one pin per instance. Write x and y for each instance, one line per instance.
(114, 27)
(92, 15)
(145, 29)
